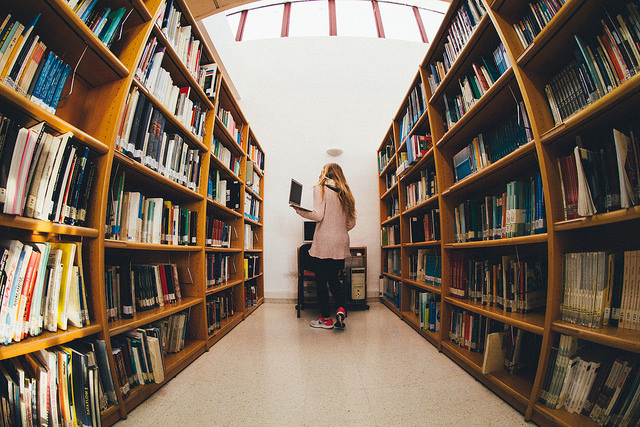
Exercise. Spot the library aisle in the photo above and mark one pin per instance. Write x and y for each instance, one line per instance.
(273, 369)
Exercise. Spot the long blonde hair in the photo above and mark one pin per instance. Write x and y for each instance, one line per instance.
(334, 171)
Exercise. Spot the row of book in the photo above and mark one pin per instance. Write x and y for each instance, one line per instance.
(142, 137)
(425, 227)
(250, 294)
(391, 262)
(181, 37)
(224, 191)
(510, 283)
(102, 21)
(134, 217)
(420, 191)
(225, 156)
(585, 378)
(517, 212)
(392, 290)
(42, 288)
(219, 308)
(217, 269)
(414, 110)
(217, 233)
(234, 128)
(417, 147)
(139, 355)
(251, 207)
(601, 289)
(426, 307)
(425, 266)
(538, 14)
(68, 384)
(385, 155)
(485, 149)
(43, 176)
(28, 66)
(390, 235)
(252, 178)
(456, 105)
(251, 265)
(602, 178)
(250, 236)
(255, 154)
(600, 64)
(133, 288)
(393, 207)
(460, 30)
(510, 349)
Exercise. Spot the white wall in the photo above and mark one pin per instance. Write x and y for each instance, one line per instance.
(302, 96)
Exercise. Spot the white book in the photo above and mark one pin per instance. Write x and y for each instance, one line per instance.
(44, 203)
(73, 310)
(627, 195)
(34, 322)
(39, 179)
(128, 119)
(156, 221)
(15, 250)
(23, 151)
(66, 176)
(16, 292)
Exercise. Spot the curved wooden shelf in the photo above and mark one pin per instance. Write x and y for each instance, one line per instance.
(389, 220)
(511, 241)
(532, 322)
(623, 339)
(422, 205)
(227, 134)
(47, 339)
(227, 285)
(140, 318)
(422, 244)
(615, 217)
(39, 226)
(223, 208)
(119, 244)
(36, 113)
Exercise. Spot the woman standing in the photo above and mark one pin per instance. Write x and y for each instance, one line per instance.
(334, 211)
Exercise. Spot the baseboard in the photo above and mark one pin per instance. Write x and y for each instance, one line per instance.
(370, 299)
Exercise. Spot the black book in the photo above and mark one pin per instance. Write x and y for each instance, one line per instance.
(126, 296)
(616, 290)
(233, 194)
(193, 224)
(72, 185)
(84, 194)
(145, 119)
(22, 56)
(8, 138)
(417, 229)
(66, 168)
(72, 201)
(80, 378)
(135, 125)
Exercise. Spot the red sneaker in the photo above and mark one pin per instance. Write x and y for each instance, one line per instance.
(340, 315)
(321, 322)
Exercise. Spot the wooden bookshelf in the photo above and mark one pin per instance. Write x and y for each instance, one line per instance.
(93, 113)
(522, 83)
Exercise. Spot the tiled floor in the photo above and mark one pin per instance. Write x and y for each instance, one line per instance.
(273, 369)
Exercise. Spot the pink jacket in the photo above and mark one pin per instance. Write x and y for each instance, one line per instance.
(331, 238)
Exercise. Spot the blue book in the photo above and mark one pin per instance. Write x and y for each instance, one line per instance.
(43, 77)
(58, 92)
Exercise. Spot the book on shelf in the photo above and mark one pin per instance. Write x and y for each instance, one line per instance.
(485, 149)
(391, 290)
(224, 191)
(251, 294)
(594, 381)
(234, 127)
(217, 269)
(251, 207)
(391, 262)
(425, 266)
(219, 308)
(601, 289)
(384, 157)
(251, 265)
(536, 16)
(426, 307)
(217, 233)
(225, 156)
(250, 235)
(425, 227)
(390, 235)
(208, 79)
(519, 211)
(255, 154)
(413, 111)
(43, 287)
(181, 37)
(419, 191)
(102, 21)
(134, 217)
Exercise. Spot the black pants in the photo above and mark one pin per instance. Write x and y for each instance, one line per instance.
(327, 272)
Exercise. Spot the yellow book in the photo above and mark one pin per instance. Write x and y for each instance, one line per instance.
(67, 282)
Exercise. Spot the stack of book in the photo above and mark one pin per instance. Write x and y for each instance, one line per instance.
(217, 270)
(103, 22)
(217, 233)
(536, 17)
(225, 156)
(425, 266)
(252, 178)
(510, 349)
(224, 191)
(43, 176)
(251, 207)
(601, 289)
(390, 235)
(68, 384)
(255, 155)
(459, 32)
(42, 288)
(426, 306)
(250, 236)
(421, 190)
(251, 266)
(391, 290)
(391, 262)
(417, 147)
(384, 157)
(413, 111)
(517, 212)
(250, 294)
(584, 378)
(601, 63)
(134, 217)
(132, 288)
(474, 86)
(512, 284)
(484, 150)
(208, 80)
(234, 128)
(219, 307)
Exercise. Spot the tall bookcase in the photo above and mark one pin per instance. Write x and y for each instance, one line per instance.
(520, 87)
(93, 113)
